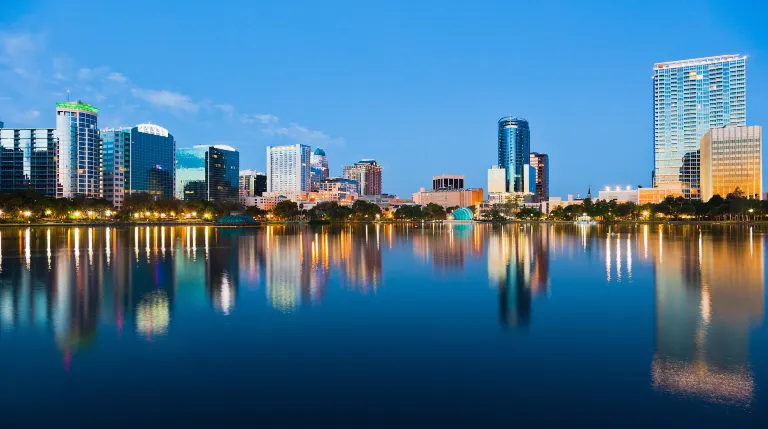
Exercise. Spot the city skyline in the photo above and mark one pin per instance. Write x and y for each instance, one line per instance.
(323, 107)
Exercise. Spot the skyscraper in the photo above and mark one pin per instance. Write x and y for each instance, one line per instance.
(207, 173)
(116, 151)
(689, 98)
(497, 180)
(732, 162)
(152, 162)
(540, 162)
(252, 183)
(28, 160)
(288, 169)
(79, 157)
(514, 151)
(319, 167)
(367, 173)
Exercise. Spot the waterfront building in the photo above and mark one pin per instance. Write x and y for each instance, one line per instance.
(79, 150)
(497, 180)
(28, 160)
(337, 189)
(459, 197)
(447, 182)
(732, 162)
(288, 168)
(318, 167)
(116, 149)
(253, 183)
(208, 173)
(152, 162)
(689, 98)
(540, 162)
(367, 173)
(620, 195)
(655, 195)
(514, 152)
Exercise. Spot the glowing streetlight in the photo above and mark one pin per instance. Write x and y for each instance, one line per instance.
(48, 212)
(206, 215)
(76, 214)
(751, 210)
(135, 215)
(108, 213)
(162, 214)
(173, 213)
(645, 213)
(194, 213)
(27, 213)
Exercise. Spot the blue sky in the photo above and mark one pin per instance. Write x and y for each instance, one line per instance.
(417, 85)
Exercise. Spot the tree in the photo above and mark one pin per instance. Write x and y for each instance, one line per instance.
(434, 212)
(256, 212)
(363, 210)
(329, 211)
(409, 213)
(285, 209)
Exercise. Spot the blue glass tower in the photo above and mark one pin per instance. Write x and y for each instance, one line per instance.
(209, 173)
(152, 161)
(689, 98)
(514, 151)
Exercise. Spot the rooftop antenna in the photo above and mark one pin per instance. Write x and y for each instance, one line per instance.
(67, 96)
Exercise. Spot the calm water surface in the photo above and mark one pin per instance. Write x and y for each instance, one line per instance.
(383, 326)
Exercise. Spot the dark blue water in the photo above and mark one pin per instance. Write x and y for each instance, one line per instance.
(383, 326)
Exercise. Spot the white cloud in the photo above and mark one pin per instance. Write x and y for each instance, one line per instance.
(59, 76)
(303, 134)
(166, 99)
(17, 45)
(117, 77)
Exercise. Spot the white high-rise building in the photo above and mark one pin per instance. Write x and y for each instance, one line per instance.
(79, 157)
(497, 180)
(288, 169)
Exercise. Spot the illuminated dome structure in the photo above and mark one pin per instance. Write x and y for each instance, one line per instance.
(462, 214)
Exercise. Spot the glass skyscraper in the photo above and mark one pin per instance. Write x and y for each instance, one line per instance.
(689, 98)
(540, 162)
(514, 151)
(152, 161)
(116, 147)
(79, 157)
(207, 173)
(28, 160)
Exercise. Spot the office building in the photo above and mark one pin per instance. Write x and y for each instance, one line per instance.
(689, 98)
(116, 149)
(497, 180)
(449, 198)
(540, 162)
(732, 162)
(152, 161)
(514, 152)
(79, 150)
(288, 169)
(619, 194)
(337, 189)
(367, 173)
(253, 183)
(447, 182)
(28, 160)
(318, 166)
(208, 173)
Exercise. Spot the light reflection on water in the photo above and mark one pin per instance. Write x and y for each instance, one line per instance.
(707, 283)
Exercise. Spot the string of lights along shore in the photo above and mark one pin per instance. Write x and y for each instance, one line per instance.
(703, 146)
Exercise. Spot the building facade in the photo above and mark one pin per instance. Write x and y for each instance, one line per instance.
(79, 150)
(209, 173)
(626, 195)
(337, 189)
(318, 167)
(447, 182)
(253, 183)
(732, 162)
(540, 162)
(514, 152)
(367, 173)
(151, 162)
(689, 98)
(459, 197)
(116, 149)
(497, 180)
(289, 169)
(28, 160)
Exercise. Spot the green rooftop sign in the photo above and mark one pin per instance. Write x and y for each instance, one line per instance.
(79, 106)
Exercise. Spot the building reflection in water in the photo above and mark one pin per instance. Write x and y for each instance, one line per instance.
(518, 266)
(709, 294)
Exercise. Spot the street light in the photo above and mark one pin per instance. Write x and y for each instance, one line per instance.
(48, 212)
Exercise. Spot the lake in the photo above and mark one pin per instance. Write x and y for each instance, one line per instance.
(383, 326)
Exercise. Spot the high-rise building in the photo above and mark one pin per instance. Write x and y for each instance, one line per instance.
(732, 162)
(288, 169)
(337, 189)
(253, 183)
(447, 182)
(540, 162)
(115, 160)
(207, 173)
(497, 180)
(152, 162)
(689, 98)
(367, 173)
(319, 167)
(79, 150)
(28, 160)
(514, 151)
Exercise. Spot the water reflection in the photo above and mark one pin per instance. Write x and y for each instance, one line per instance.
(707, 282)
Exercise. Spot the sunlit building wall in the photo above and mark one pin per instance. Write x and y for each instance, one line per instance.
(79, 150)
(367, 173)
(497, 180)
(288, 168)
(731, 160)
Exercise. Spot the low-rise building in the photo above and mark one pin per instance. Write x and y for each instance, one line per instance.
(459, 197)
(618, 194)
